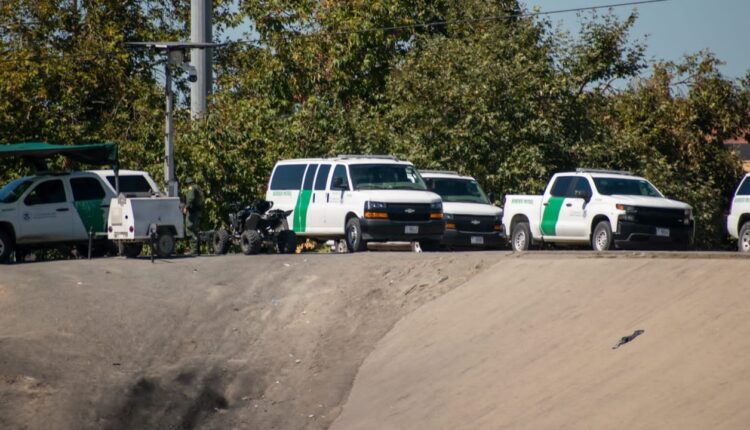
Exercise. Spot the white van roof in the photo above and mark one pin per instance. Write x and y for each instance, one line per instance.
(444, 174)
(349, 159)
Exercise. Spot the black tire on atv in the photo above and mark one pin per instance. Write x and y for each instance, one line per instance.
(250, 242)
(220, 242)
(286, 242)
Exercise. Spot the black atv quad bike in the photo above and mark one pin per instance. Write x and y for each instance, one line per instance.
(257, 228)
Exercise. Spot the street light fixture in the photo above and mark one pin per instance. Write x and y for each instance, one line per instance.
(175, 52)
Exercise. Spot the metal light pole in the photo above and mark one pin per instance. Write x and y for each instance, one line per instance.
(200, 32)
(175, 57)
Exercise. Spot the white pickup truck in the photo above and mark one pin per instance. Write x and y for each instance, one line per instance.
(605, 209)
(738, 221)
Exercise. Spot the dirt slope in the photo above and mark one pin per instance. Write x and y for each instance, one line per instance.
(528, 344)
(230, 342)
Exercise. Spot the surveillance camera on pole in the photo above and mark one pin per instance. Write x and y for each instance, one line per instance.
(175, 60)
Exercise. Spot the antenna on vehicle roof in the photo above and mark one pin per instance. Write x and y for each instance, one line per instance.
(443, 172)
(610, 172)
(353, 156)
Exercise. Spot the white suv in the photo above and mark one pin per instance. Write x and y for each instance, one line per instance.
(359, 198)
(53, 209)
(471, 220)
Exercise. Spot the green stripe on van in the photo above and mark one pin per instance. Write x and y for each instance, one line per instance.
(551, 214)
(300, 210)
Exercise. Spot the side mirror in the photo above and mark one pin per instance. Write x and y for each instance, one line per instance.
(585, 195)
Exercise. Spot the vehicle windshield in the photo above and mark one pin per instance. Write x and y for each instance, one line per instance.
(457, 190)
(13, 190)
(386, 177)
(626, 187)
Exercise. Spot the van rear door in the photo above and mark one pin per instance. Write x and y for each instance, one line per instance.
(284, 188)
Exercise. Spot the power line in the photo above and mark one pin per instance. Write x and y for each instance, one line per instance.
(466, 21)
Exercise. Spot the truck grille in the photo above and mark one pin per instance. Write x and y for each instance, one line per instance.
(660, 217)
(408, 212)
(479, 224)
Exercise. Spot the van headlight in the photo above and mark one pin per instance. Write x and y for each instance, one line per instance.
(448, 217)
(436, 206)
(374, 206)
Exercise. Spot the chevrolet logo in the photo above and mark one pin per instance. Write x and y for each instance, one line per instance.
(475, 222)
(409, 211)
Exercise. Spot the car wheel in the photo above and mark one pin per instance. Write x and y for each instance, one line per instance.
(354, 241)
(220, 242)
(286, 242)
(601, 240)
(743, 244)
(521, 237)
(250, 242)
(6, 246)
(164, 244)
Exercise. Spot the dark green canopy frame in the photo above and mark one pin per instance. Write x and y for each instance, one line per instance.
(98, 154)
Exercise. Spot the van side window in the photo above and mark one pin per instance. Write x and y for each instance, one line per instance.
(288, 177)
(46, 193)
(340, 180)
(561, 186)
(309, 177)
(86, 189)
(744, 189)
(320, 180)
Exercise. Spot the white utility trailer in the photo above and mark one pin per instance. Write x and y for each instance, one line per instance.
(135, 221)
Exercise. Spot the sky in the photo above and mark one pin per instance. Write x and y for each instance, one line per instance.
(677, 27)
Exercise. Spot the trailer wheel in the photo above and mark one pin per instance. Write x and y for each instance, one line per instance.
(250, 242)
(164, 244)
(220, 242)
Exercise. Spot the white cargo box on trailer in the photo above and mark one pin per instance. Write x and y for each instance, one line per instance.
(132, 221)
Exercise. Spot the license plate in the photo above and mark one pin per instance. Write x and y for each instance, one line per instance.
(664, 232)
(477, 240)
(411, 229)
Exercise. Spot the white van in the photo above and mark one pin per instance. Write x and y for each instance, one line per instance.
(471, 220)
(358, 198)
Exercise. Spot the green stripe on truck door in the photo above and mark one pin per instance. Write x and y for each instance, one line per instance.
(551, 214)
(300, 210)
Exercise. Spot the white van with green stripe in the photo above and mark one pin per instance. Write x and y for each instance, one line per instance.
(49, 210)
(357, 198)
(603, 208)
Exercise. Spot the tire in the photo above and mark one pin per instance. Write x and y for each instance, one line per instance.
(130, 249)
(250, 242)
(164, 244)
(520, 238)
(6, 246)
(602, 239)
(428, 245)
(743, 244)
(353, 236)
(286, 242)
(220, 242)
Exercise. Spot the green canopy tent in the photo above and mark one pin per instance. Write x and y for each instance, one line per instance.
(98, 154)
